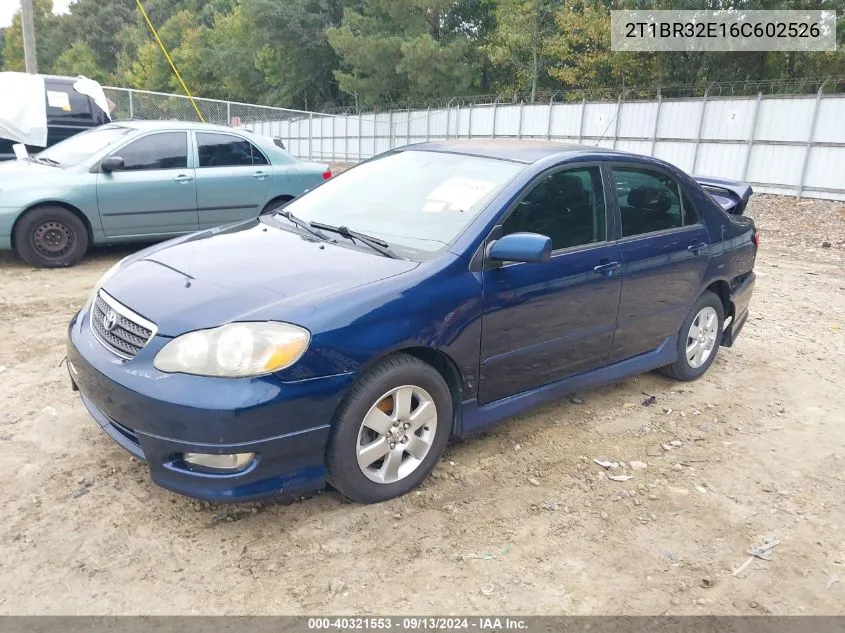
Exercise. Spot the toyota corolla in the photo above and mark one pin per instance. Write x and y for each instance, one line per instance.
(429, 292)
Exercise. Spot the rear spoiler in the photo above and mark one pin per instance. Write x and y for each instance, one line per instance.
(731, 195)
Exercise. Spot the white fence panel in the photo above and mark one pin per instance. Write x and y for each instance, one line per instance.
(636, 120)
(780, 144)
(729, 119)
(565, 120)
(679, 119)
(785, 119)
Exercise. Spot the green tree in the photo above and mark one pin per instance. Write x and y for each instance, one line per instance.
(80, 59)
(519, 41)
(580, 57)
(47, 46)
(100, 25)
(392, 50)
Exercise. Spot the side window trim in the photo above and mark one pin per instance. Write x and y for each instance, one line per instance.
(129, 142)
(253, 148)
(551, 171)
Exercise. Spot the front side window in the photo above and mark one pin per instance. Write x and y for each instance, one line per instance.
(225, 150)
(567, 206)
(418, 202)
(648, 200)
(167, 150)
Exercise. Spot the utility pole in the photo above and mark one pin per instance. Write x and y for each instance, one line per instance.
(28, 21)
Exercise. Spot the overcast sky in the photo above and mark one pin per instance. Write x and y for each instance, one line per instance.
(8, 8)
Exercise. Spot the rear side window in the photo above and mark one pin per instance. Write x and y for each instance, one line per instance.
(567, 206)
(167, 150)
(648, 201)
(63, 102)
(225, 150)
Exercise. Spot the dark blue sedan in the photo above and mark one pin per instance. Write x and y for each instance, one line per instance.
(432, 291)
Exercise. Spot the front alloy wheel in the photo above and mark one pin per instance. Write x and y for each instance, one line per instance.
(396, 434)
(390, 430)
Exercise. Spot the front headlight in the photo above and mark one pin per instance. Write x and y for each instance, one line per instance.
(234, 350)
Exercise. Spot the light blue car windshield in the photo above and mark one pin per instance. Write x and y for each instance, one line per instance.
(78, 147)
(417, 201)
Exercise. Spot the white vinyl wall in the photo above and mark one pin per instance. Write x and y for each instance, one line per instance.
(780, 144)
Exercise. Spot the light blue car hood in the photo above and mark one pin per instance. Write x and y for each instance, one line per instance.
(23, 174)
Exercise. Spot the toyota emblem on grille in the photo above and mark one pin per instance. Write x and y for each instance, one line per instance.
(110, 320)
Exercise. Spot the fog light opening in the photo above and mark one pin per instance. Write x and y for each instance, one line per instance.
(229, 462)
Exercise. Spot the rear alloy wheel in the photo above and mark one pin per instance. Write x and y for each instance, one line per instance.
(698, 339)
(50, 237)
(701, 337)
(390, 430)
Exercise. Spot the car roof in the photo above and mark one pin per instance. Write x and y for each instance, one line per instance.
(516, 150)
(139, 124)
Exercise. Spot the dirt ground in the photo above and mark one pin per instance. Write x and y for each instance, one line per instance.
(520, 520)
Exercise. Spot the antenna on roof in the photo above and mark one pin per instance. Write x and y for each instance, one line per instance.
(613, 118)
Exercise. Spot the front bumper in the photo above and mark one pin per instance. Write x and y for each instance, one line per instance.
(158, 417)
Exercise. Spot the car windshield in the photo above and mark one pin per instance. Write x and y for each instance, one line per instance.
(78, 147)
(418, 202)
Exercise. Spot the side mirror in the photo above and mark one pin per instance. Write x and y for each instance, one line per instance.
(521, 247)
(112, 163)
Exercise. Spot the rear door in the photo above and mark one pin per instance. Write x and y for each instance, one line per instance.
(155, 194)
(544, 322)
(234, 178)
(665, 249)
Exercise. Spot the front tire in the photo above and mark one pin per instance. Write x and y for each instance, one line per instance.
(50, 237)
(390, 430)
(698, 339)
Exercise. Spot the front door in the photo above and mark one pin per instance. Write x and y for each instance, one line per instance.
(665, 249)
(544, 322)
(233, 179)
(155, 193)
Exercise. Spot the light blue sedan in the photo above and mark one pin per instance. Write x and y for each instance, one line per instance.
(142, 181)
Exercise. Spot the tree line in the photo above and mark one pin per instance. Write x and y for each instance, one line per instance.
(319, 54)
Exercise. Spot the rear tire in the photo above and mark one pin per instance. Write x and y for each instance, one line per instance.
(275, 204)
(698, 339)
(390, 430)
(50, 237)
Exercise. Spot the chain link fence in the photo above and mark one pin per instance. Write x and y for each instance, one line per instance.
(265, 120)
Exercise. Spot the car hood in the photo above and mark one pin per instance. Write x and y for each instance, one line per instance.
(251, 271)
(21, 173)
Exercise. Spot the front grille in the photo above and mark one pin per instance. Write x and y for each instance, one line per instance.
(130, 331)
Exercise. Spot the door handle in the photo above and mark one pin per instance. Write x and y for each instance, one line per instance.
(260, 175)
(696, 247)
(607, 268)
(183, 178)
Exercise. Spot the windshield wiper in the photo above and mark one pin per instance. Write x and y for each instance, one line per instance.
(47, 161)
(301, 223)
(373, 242)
